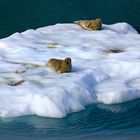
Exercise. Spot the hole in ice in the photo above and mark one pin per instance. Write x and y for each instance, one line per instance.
(113, 51)
(16, 83)
(22, 70)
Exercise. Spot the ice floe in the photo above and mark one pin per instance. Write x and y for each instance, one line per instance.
(105, 69)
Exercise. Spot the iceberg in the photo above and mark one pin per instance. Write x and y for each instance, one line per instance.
(105, 69)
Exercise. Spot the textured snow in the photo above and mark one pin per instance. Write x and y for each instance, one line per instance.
(98, 75)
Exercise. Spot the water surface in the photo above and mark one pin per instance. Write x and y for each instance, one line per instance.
(99, 122)
(20, 15)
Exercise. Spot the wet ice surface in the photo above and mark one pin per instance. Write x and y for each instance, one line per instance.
(106, 69)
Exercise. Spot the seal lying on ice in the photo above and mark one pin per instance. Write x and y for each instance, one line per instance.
(90, 25)
(60, 66)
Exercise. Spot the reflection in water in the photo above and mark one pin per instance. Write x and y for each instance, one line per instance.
(97, 121)
(120, 108)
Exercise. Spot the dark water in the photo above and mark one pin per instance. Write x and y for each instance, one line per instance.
(97, 122)
(20, 15)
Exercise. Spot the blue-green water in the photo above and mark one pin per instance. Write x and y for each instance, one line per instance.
(98, 122)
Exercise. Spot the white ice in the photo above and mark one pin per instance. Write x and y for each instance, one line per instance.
(98, 75)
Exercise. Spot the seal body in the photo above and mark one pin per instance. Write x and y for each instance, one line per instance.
(90, 25)
(60, 66)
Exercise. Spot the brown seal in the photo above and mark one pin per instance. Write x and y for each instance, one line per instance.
(90, 25)
(60, 66)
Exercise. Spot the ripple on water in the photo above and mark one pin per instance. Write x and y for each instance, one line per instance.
(98, 121)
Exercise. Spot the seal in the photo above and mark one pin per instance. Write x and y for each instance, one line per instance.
(59, 65)
(90, 25)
